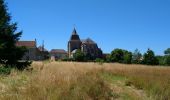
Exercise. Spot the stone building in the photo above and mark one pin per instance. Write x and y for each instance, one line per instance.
(33, 52)
(87, 46)
(58, 54)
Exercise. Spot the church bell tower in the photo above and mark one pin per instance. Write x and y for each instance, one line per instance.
(74, 43)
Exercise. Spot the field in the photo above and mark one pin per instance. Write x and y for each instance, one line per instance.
(86, 81)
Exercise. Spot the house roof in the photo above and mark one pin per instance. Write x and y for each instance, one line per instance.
(61, 51)
(29, 44)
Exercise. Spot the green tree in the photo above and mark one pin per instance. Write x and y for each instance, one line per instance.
(161, 59)
(127, 57)
(136, 57)
(9, 53)
(117, 55)
(167, 56)
(79, 55)
(167, 60)
(149, 58)
(121, 56)
(167, 51)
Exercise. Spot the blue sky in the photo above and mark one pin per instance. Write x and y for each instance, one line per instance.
(126, 24)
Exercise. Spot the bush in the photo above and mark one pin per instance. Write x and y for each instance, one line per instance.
(79, 56)
(99, 60)
(21, 65)
(5, 70)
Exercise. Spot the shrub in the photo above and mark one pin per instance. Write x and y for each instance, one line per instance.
(5, 70)
(99, 60)
(79, 55)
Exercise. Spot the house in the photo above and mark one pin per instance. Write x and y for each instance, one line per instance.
(33, 52)
(58, 53)
(87, 46)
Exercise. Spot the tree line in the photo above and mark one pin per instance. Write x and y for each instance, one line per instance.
(127, 57)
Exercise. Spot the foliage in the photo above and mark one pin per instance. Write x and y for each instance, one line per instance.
(149, 58)
(107, 59)
(117, 55)
(127, 57)
(167, 60)
(79, 55)
(161, 60)
(167, 51)
(99, 60)
(9, 53)
(121, 56)
(5, 70)
(136, 57)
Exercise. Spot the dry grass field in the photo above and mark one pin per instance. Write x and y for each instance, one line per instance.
(86, 81)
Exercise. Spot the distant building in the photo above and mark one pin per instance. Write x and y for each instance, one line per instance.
(33, 52)
(87, 46)
(58, 54)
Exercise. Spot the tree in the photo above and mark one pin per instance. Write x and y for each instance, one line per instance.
(149, 58)
(167, 56)
(116, 55)
(127, 58)
(136, 57)
(167, 51)
(9, 53)
(79, 55)
(121, 56)
(167, 60)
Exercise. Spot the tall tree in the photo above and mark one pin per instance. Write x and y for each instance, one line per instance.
(149, 58)
(9, 53)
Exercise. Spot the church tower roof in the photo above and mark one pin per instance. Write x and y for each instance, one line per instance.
(74, 32)
(74, 35)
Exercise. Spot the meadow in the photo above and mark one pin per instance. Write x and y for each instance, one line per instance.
(86, 81)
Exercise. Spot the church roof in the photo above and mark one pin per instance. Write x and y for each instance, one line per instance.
(88, 41)
(74, 35)
(74, 32)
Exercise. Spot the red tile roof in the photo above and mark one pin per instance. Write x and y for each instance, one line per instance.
(29, 44)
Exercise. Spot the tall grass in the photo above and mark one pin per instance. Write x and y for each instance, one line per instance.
(76, 81)
(60, 81)
(153, 79)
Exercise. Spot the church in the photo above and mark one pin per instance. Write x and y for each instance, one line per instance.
(87, 46)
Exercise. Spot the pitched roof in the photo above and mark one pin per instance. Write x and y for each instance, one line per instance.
(74, 32)
(88, 41)
(29, 44)
(58, 51)
(74, 35)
